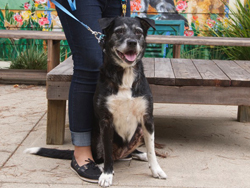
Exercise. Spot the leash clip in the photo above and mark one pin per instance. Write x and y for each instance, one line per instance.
(98, 35)
(101, 40)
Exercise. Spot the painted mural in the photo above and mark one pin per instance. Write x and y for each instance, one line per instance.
(30, 15)
(41, 14)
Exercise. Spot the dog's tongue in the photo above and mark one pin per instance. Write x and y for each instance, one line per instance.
(130, 56)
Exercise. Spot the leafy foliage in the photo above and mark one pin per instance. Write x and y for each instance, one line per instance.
(32, 58)
(236, 25)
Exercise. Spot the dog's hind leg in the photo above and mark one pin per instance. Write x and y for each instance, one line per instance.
(148, 130)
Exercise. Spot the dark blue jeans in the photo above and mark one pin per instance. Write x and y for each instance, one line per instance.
(87, 58)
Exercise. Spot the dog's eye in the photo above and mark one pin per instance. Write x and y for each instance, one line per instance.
(119, 31)
(138, 32)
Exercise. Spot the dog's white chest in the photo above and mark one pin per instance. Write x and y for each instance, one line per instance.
(127, 111)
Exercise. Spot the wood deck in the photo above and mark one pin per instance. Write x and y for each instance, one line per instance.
(196, 81)
(179, 72)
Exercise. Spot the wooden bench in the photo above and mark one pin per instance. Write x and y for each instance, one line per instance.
(182, 81)
(53, 42)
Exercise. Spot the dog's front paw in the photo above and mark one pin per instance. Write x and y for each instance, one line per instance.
(158, 173)
(105, 180)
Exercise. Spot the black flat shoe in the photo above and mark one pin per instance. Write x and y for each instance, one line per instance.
(89, 172)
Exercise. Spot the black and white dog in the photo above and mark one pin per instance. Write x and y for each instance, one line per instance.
(123, 101)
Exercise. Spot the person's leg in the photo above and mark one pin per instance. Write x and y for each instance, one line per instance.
(87, 57)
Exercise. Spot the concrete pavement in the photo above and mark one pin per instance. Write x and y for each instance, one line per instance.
(206, 147)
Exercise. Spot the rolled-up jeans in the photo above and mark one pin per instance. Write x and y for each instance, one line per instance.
(87, 59)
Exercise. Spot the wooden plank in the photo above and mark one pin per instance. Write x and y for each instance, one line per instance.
(243, 114)
(201, 95)
(149, 69)
(62, 72)
(213, 41)
(58, 90)
(244, 64)
(164, 74)
(211, 73)
(238, 76)
(185, 73)
(22, 76)
(160, 39)
(20, 34)
(56, 121)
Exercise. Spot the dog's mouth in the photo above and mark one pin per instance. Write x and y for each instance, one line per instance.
(129, 56)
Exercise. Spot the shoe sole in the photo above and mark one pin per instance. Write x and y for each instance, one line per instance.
(125, 159)
(83, 178)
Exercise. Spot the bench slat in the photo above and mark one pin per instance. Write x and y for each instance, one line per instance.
(185, 73)
(213, 41)
(244, 64)
(18, 34)
(201, 95)
(149, 69)
(211, 73)
(63, 72)
(164, 74)
(238, 75)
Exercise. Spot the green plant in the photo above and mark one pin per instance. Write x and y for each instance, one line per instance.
(236, 25)
(31, 58)
(65, 51)
(203, 52)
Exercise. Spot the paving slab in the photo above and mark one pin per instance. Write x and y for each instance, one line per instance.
(206, 148)
(21, 107)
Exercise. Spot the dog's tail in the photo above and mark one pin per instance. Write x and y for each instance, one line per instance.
(51, 153)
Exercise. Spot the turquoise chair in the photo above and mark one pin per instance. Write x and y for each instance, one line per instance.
(164, 27)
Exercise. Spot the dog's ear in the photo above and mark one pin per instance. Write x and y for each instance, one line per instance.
(147, 23)
(105, 22)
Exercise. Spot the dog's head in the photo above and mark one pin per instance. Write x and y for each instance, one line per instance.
(125, 38)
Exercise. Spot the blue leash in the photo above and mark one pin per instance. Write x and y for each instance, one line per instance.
(72, 4)
(99, 36)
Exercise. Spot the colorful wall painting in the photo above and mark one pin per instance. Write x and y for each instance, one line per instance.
(41, 14)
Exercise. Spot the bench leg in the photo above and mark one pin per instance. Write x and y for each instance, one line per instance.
(177, 51)
(243, 114)
(56, 121)
(53, 54)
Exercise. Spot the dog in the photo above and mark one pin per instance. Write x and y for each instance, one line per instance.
(166, 9)
(123, 102)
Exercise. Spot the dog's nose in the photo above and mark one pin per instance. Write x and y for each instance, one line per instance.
(131, 42)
